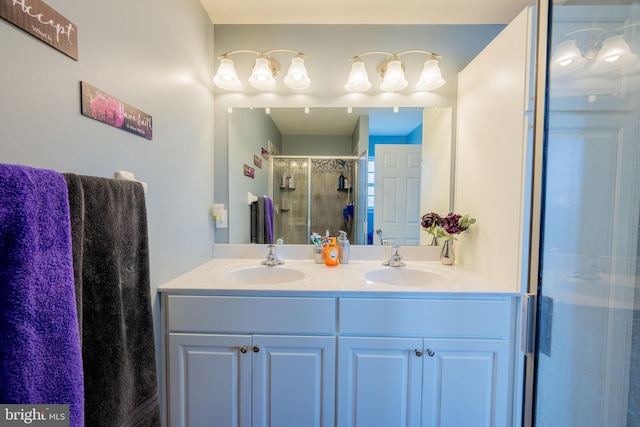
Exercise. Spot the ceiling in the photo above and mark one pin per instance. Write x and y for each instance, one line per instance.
(364, 11)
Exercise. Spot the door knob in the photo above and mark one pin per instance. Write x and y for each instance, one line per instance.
(418, 352)
(256, 349)
(243, 349)
(430, 352)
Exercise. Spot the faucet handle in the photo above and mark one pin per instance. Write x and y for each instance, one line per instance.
(272, 258)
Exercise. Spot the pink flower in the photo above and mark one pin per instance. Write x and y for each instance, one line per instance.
(107, 110)
(98, 107)
(113, 115)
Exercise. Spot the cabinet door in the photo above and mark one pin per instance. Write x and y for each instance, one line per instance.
(379, 382)
(466, 383)
(209, 380)
(293, 381)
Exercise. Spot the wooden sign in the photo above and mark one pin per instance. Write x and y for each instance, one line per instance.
(41, 21)
(103, 107)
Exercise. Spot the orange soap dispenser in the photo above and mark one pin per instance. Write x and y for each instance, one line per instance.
(331, 253)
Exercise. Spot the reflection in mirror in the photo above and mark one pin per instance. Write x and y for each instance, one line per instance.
(315, 194)
(342, 138)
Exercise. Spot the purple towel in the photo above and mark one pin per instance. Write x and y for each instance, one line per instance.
(40, 353)
(268, 218)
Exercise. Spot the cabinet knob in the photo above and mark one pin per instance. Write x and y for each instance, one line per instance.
(244, 349)
(256, 349)
(430, 352)
(418, 352)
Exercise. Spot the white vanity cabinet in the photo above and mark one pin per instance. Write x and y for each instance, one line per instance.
(342, 360)
(224, 372)
(424, 379)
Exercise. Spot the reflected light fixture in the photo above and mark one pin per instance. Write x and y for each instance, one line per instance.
(264, 71)
(606, 50)
(567, 58)
(392, 72)
(613, 54)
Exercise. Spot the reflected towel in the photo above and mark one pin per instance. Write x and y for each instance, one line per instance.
(40, 355)
(111, 263)
(262, 221)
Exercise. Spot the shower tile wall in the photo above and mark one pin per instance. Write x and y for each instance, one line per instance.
(327, 203)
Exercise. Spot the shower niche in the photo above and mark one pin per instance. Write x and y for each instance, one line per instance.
(315, 194)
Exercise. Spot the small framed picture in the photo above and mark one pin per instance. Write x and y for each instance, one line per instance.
(249, 171)
(257, 161)
(265, 153)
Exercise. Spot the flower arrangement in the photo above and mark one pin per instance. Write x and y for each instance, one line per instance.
(430, 222)
(455, 224)
(445, 227)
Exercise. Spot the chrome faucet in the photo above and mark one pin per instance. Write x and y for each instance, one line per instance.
(396, 259)
(272, 258)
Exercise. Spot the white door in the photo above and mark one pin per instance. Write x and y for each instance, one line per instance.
(210, 380)
(379, 382)
(293, 381)
(396, 209)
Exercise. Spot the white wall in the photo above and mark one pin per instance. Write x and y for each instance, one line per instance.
(126, 50)
(249, 132)
(492, 154)
(317, 145)
(155, 56)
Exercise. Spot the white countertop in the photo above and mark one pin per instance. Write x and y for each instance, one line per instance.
(213, 277)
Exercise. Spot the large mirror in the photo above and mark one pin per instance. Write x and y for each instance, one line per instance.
(368, 171)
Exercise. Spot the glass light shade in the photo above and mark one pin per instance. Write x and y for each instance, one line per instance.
(394, 77)
(567, 59)
(431, 76)
(297, 77)
(262, 77)
(226, 76)
(358, 78)
(613, 54)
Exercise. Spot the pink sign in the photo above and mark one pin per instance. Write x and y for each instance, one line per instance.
(103, 107)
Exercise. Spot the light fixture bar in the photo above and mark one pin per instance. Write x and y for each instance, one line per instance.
(264, 71)
(396, 55)
(392, 72)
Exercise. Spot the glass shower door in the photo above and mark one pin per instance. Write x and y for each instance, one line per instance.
(290, 178)
(587, 359)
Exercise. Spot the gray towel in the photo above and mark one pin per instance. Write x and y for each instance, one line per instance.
(111, 268)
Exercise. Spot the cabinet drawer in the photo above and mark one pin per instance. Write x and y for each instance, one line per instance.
(250, 314)
(450, 318)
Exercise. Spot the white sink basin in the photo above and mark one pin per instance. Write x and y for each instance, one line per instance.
(264, 275)
(403, 276)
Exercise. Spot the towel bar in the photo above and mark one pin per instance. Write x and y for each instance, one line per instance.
(130, 177)
(251, 198)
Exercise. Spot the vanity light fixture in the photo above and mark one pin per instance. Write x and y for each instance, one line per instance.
(392, 72)
(264, 71)
(606, 50)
